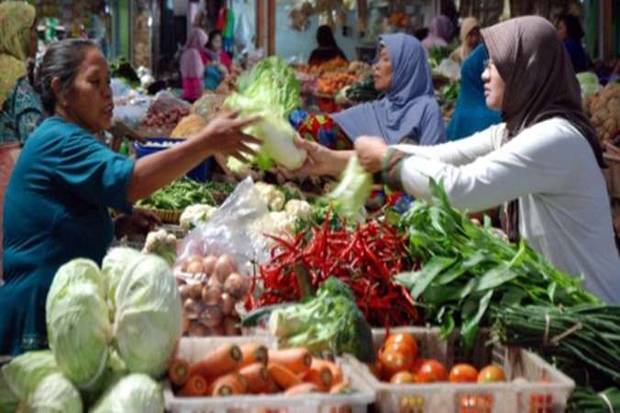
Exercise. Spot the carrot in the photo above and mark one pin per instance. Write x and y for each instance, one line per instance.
(333, 367)
(282, 375)
(229, 385)
(298, 360)
(178, 372)
(302, 389)
(256, 376)
(194, 387)
(272, 386)
(219, 362)
(341, 387)
(252, 353)
(319, 374)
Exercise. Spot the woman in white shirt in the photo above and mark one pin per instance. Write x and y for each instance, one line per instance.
(543, 163)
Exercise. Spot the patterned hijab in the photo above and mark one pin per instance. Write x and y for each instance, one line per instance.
(16, 19)
(540, 84)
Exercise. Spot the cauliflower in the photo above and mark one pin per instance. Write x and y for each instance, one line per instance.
(298, 209)
(605, 112)
(273, 197)
(161, 243)
(196, 213)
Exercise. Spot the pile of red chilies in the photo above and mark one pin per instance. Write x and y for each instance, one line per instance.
(365, 259)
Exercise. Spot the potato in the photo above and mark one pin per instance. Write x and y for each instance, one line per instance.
(224, 266)
(237, 285)
(208, 264)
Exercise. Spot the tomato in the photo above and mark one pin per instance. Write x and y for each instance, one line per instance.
(403, 342)
(402, 377)
(394, 361)
(463, 373)
(376, 369)
(415, 367)
(431, 371)
(491, 374)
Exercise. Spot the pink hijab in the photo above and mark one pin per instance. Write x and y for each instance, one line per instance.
(192, 65)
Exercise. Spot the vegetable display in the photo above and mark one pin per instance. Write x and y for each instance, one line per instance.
(188, 126)
(583, 340)
(352, 191)
(467, 269)
(328, 322)
(55, 394)
(331, 83)
(185, 192)
(231, 370)
(363, 90)
(210, 288)
(366, 259)
(605, 112)
(162, 244)
(136, 393)
(586, 400)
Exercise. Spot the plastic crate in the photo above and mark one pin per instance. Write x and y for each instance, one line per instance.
(200, 173)
(546, 391)
(192, 348)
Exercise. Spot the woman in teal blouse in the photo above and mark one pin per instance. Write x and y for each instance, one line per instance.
(65, 180)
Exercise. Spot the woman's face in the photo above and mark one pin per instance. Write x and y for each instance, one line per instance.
(216, 43)
(562, 30)
(382, 74)
(89, 102)
(473, 38)
(494, 87)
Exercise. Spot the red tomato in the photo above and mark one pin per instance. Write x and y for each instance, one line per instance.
(491, 374)
(417, 364)
(394, 361)
(463, 373)
(402, 377)
(403, 342)
(431, 371)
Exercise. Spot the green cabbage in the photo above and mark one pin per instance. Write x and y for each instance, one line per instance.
(113, 266)
(272, 91)
(24, 373)
(136, 393)
(351, 193)
(55, 394)
(147, 320)
(589, 83)
(78, 325)
(8, 399)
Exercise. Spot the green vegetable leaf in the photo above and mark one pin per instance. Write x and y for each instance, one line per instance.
(471, 324)
(426, 275)
(495, 277)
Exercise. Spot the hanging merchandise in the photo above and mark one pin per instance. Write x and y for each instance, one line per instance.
(228, 34)
(221, 19)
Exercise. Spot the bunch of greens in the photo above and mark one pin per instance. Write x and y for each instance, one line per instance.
(363, 91)
(586, 400)
(271, 90)
(468, 268)
(185, 192)
(449, 93)
(584, 340)
(121, 68)
(437, 54)
(353, 189)
(331, 321)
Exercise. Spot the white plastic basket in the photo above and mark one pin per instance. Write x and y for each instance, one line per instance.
(546, 391)
(192, 349)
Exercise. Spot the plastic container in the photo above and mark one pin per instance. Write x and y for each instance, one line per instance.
(193, 348)
(200, 173)
(546, 390)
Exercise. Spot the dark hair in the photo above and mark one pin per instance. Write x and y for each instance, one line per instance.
(62, 60)
(212, 35)
(325, 37)
(573, 26)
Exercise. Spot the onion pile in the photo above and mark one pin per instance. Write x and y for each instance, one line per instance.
(210, 288)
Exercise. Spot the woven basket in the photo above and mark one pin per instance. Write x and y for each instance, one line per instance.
(612, 175)
(168, 216)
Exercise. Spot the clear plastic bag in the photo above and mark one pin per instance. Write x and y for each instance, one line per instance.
(165, 102)
(236, 228)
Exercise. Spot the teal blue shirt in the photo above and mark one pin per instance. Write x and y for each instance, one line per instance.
(56, 209)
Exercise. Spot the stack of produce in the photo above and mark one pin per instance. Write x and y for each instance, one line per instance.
(185, 192)
(365, 258)
(363, 90)
(467, 269)
(334, 65)
(210, 288)
(270, 90)
(208, 105)
(251, 368)
(164, 120)
(332, 82)
(110, 331)
(398, 363)
(328, 322)
(188, 126)
(605, 113)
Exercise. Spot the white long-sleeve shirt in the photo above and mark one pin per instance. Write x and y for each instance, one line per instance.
(564, 205)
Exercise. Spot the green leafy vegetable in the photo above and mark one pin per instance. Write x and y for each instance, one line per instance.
(185, 192)
(147, 317)
(24, 373)
(331, 321)
(136, 393)
(271, 90)
(468, 269)
(351, 193)
(78, 325)
(55, 394)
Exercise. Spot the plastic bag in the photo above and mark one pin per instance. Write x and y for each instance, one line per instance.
(165, 101)
(237, 228)
(450, 69)
(130, 107)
